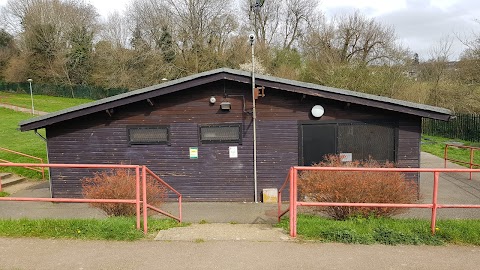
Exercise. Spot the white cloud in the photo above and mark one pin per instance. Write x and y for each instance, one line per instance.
(419, 24)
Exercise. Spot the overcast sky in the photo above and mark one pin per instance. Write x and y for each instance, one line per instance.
(419, 24)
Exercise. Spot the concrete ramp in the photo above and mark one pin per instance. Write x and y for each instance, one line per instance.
(224, 232)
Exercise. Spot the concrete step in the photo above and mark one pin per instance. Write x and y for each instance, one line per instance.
(9, 179)
(4, 175)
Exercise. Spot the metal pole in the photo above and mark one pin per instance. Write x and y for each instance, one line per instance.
(137, 195)
(31, 95)
(471, 162)
(434, 202)
(254, 117)
(144, 198)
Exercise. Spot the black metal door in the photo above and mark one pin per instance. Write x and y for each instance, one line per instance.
(317, 141)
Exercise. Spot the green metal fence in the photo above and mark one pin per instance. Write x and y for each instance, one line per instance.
(77, 91)
(463, 126)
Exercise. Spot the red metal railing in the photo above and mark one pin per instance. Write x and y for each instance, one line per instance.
(35, 168)
(472, 156)
(140, 190)
(294, 203)
(146, 171)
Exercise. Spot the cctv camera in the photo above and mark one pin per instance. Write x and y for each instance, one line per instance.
(251, 38)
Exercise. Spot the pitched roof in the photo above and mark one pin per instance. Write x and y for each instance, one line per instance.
(240, 76)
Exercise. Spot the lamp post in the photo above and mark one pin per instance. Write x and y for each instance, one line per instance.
(31, 95)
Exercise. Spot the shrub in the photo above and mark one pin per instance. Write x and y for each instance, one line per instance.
(120, 184)
(356, 187)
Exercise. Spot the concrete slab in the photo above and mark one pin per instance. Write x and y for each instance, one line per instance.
(454, 188)
(39, 210)
(224, 232)
(226, 212)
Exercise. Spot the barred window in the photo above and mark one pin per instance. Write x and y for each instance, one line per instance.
(367, 140)
(148, 135)
(221, 133)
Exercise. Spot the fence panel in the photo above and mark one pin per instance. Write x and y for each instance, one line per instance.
(463, 126)
(75, 91)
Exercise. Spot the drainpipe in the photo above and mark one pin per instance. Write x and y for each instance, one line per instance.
(49, 171)
(40, 135)
(254, 118)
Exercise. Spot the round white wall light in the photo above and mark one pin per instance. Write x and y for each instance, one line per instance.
(318, 111)
(213, 100)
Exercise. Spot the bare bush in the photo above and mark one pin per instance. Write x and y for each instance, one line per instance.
(356, 187)
(120, 184)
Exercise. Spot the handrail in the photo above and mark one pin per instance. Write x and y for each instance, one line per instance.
(279, 203)
(472, 156)
(294, 203)
(42, 170)
(156, 177)
(139, 199)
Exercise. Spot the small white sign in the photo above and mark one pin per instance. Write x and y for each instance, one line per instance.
(346, 157)
(193, 152)
(233, 151)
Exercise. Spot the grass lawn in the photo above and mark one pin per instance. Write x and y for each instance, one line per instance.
(41, 102)
(436, 146)
(113, 228)
(386, 231)
(25, 142)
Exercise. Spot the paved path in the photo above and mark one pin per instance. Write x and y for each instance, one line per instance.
(77, 254)
(21, 109)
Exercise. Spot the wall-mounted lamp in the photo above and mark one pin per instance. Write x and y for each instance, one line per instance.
(318, 111)
(212, 100)
(225, 105)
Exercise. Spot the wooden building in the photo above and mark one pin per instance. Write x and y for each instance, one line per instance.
(197, 132)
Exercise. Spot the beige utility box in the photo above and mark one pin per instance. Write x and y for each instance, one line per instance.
(270, 195)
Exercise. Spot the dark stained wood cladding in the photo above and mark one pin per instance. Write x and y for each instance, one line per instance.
(99, 138)
(408, 145)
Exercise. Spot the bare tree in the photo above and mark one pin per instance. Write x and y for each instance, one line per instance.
(363, 40)
(298, 14)
(436, 68)
(116, 29)
(58, 36)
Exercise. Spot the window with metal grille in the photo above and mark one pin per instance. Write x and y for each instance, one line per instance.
(367, 140)
(148, 135)
(221, 133)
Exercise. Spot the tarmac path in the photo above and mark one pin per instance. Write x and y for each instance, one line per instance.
(21, 109)
(31, 253)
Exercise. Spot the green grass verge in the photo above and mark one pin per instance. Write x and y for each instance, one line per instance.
(386, 231)
(436, 146)
(41, 102)
(25, 142)
(4, 194)
(113, 228)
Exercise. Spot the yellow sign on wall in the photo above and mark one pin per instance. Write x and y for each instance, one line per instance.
(193, 152)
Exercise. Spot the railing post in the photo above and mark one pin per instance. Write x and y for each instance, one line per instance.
(180, 208)
(144, 195)
(295, 194)
(434, 201)
(43, 169)
(279, 205)
(471, 162)
(445, 156)
(292, 219)
(137, 195)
